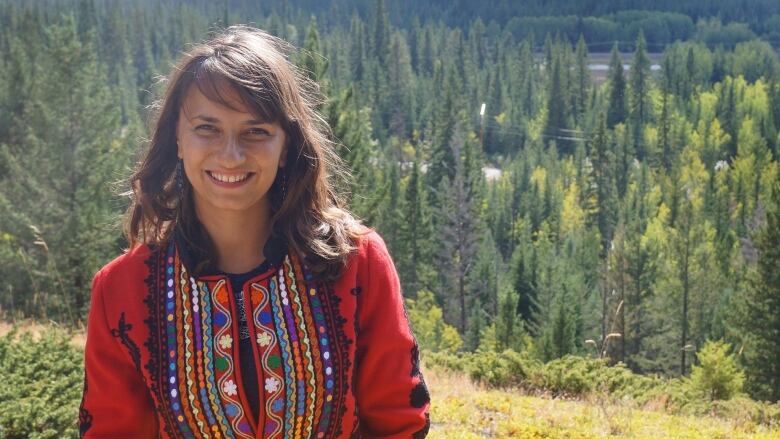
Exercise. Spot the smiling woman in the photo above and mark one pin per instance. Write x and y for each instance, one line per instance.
(251, 303)
(223, 148)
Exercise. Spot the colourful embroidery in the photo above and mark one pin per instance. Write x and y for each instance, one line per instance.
(301, 353)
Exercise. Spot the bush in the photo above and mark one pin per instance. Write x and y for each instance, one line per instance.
(41, 378)
(427, 321)
(504, 369)
(744, 409)
(718, 376)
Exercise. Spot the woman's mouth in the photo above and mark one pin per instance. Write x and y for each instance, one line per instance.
(232, 179)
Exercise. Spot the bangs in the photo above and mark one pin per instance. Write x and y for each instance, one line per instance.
(255, 92)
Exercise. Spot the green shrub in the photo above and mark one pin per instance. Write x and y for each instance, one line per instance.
(427, 321)
(501, 369)
(718, 377)
(41, 380)
(742, 408)
(445, 360)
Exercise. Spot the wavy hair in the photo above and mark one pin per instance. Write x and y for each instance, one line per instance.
(312, 218)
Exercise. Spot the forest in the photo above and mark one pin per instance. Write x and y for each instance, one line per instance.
(529, 206)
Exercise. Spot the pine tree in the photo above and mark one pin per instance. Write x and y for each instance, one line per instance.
(415, 234)
(313, 63)
(559, 338)
(639, 99)
(357, 49)
(442, 161)
(641, 256)
(69, 134)
(582, 82)
(616, 112)
(522, 281)
(665, 122)
(400, 82)
(557, 124)
(603, 208)
(760, 317)
(458, 225)
(380, 34)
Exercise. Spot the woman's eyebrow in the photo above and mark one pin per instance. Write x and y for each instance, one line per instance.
(205, 118)
(255, 122)
(211, 119)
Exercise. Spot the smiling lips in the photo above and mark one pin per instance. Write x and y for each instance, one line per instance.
(229, 180)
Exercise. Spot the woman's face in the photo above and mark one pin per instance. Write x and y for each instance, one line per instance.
(230, 157)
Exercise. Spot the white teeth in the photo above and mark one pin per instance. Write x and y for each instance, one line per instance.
(229, 178)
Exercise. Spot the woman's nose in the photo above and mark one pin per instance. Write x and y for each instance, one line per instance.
(232, 153)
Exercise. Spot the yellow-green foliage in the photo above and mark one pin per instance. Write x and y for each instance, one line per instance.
(428, 324)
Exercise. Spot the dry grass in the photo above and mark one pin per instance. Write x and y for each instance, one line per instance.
(78, 337)
(461, 409)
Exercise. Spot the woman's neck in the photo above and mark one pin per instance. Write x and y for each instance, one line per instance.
(238, 237)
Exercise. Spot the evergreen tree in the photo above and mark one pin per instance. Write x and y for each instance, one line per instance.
(415, 234)
(556, 126)
(665, 122)
(400, 80)
(442, 160)
(357, 49)
(560, 337)
(313, 63)
(616, 112)
(59, 216)
(458, 226)
(760, 317)
(604, 203)
(582, 81)
(639, 99)
(522, 278)
(380, 34)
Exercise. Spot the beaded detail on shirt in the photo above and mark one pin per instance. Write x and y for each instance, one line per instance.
(301, 353)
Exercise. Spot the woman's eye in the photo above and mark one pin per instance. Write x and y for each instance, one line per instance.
(257, 132)
(206, 128)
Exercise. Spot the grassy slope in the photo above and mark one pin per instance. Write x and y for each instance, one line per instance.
(461, 409)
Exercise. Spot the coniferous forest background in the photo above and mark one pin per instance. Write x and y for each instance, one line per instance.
(617, 197)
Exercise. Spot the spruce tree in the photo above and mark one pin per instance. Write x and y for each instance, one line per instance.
(582, 84)
(759, 325)
(458, 226)
(603, 206)
(639, 99)
(616, 112)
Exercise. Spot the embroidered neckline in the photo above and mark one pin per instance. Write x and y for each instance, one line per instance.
(302, 353)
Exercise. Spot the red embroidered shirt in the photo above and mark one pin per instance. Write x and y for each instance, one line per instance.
(333, 359)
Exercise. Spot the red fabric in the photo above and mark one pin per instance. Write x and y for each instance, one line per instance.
(126, 392)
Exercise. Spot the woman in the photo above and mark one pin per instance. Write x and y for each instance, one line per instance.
(251, 304)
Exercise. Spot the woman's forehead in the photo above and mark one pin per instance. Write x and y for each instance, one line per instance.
(220, 95)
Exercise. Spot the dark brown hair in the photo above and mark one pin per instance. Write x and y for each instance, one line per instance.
(312, 217)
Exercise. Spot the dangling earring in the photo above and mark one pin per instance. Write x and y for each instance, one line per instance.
(284, 185)
(180, 178)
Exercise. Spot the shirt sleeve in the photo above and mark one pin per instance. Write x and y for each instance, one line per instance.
(115, 401)
(391, 394)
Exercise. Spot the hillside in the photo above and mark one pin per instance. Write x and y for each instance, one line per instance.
(462, 409)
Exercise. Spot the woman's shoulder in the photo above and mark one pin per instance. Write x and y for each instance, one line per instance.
(127, 267)
(370, 251)
(370, 243)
